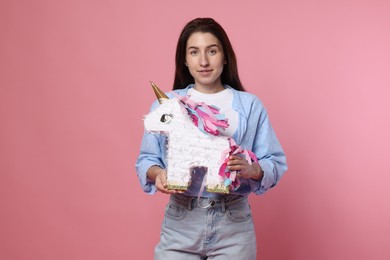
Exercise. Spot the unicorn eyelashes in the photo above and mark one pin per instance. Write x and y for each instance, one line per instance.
(166, 118)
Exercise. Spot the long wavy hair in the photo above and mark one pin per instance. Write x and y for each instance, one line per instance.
(229, 74)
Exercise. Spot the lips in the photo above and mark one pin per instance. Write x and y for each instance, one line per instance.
(205, 72)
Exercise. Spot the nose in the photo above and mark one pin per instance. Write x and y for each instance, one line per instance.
(204, 61)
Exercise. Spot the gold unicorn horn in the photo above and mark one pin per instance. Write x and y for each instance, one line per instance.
(159, 94)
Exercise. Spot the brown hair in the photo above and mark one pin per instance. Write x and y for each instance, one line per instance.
(229, 74)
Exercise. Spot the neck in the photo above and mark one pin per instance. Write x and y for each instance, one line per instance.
(209, 89)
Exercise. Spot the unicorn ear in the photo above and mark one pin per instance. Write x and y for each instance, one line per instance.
(161, 97)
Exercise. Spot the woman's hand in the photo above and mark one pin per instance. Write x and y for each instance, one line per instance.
(161, 182)
(244, 169)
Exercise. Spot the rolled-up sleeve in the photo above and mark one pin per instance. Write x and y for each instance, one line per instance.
(150, 154)
(268, 150)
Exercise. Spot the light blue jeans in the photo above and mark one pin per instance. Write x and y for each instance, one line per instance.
(217, 229)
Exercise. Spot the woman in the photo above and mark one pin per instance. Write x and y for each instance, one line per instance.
(198, 224)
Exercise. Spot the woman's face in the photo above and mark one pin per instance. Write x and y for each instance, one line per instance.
(205, 61)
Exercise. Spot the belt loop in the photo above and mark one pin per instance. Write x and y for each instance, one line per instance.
(223, 204)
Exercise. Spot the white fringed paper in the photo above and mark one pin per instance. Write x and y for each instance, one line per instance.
(188, 147)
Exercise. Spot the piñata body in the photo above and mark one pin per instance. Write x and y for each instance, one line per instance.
(188, 147)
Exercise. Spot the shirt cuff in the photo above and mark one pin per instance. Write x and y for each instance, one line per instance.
(146, 185)
(261, 186)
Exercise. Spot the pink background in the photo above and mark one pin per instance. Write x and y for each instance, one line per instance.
(74, 85)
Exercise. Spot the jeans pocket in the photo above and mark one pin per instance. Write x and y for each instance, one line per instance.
(239, 212)
(175, 212)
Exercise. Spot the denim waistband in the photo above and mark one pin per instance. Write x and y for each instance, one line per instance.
(190, 202)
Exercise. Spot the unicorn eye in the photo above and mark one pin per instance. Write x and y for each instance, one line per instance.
(166, 118)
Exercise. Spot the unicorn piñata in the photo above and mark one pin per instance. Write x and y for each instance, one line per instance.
(194, 141)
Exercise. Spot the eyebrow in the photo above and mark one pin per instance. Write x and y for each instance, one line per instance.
(210, 46)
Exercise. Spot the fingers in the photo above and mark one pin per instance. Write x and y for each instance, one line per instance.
(237, 163)
(234, 159)
(161, 184)
(240, 165)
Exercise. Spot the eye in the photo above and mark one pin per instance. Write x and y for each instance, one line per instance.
(166, 118)
(193, 52)
(212, 52)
